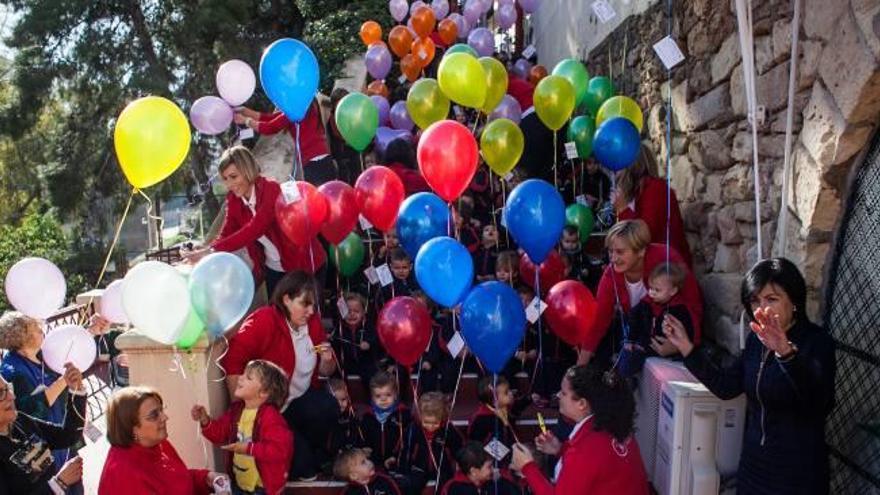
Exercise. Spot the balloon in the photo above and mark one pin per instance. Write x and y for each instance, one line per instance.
(537, 73)
(423, 50)
(348, 255)
(551, 271)
(460, 48)
(581, 218)
(462, 79)
(448, 158)
(426, 103)
(69, 344)
(211, 115)
(379, 193)
(404, 328)
(342, 212)
(444, 270)
(398, 9)
(36, 287)
(482, 40)
(221, 289)
(377, 87)
(529, 6)
(384, 136)
(111, 303)
(416, 6)
(472, 12)
(535, 216)
(423, 21)
(505, 16)
(400, 40)
(156, 299)
(357, 119)
(493, 323)
(371, 32)
(300, 220)
(620, 106)
(422, 217)
(521, 68)
(554, 101)
(289, 75)
(400, 117)
(496, 83)
(508, 109)
(462, 24)
(236, 82)
(151, 140)
(576, 74)
(410, 67)
(598, 90)
(192, 330)
(580, 131)
(382, 107)
(571, 311)
(616, 143)
(447, 29)
(502, 144)
(378, 61)
(440, 8)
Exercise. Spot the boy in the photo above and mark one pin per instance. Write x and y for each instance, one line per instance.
(430, 444)
(355, 466)
(357, 344)
(259, 443)
(347, 433)
(571, 248)
(486, 255)
(476, 476)
(384, 424)
(495, 418)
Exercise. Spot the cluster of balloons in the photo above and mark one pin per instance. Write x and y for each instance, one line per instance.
(236, 82)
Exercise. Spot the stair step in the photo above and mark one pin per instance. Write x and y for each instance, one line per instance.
(330, 487)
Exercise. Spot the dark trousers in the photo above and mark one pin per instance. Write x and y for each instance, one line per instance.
(311, 418)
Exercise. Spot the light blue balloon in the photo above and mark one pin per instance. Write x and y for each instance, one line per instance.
(221, 290)
(422, 217)
(289, 75)
(535, 217)
(493, 323)
(444, 270)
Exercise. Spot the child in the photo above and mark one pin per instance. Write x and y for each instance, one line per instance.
(259, 443)
(355, 466)
(475, 475)
(486, 255)
(571, 247)
(430, 444)
(347, 432)
(403, 283)
(507, 267)
(390, 243)
(384, 424)
(646, 336)
(462, 212)
(496, 416)
(357, 345)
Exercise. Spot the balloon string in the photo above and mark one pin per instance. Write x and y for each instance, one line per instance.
(555, 161)
(539, 362)
(150, 215)
(176, 364)
(219, 358)
(504, 205)
(361, 155)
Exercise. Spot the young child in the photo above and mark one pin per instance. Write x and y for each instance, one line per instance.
(462, 213)
(357, 344)
(384, 424)
(507, 267)
(355, 466)
(646, 336)
(476, 475)
(486, 255)
(346, 433)
(571, 247)
(403, 283)
(259, 443)
(390, 243)
(496, 416)
(430, 444)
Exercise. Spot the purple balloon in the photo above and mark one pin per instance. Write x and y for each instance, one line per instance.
(400, 119)
(398, 9)
(441, 9)
(529, 6)
(211, 115)
(415, 5)
(472, 11)
(482, 41)
(378, 60)
(485, 5)
(463, 25)
(384, 136)
(508, 109)
(521, 68)
(506, 16)
(383, 108)
(411, 29)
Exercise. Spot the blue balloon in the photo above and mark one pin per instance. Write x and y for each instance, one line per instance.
(289, 75)
(422, 217)
(616, 143)
(535, 217)
(493, 323)
(221, 290)
(444, 270)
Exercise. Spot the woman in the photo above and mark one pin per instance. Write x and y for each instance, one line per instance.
(250, 223)
(400, 157)
(26, 464)
(600, 456)
(141, 459)
(624, 283)
(640, 194)
(288, 333)
(787, 373)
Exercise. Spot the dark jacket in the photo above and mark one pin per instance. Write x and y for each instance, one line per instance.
(346, 433)
(645, 323)
(462, 485)
(381, 484)
(385, 439)
(784, 450)
(420, 463)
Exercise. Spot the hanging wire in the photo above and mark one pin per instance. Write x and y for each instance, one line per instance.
(789, 123)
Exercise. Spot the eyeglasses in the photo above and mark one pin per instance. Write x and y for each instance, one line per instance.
(6, 391)
(154, 415)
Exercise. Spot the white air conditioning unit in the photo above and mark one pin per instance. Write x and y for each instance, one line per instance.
(699, 439)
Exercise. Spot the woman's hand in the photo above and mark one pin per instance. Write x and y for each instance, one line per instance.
(677, 335)
(236, 448)
(324, 351)
(583, 357)
(73, 377)
(547, 443)
(617, 201)
(71, 472)
(220, 483)
(521, 457)
(98, 325)
(662, 346)
(193, 256)
(766, 326)
(200, 414)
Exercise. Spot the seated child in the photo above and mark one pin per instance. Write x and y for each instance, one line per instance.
(507, 267)
(384, 424)
(355, 466)
(571, 247)
(346, 433)
(484, 258)
(252, 431)
(476, 476)
(495, 419)
(430, 442)
(357, 345)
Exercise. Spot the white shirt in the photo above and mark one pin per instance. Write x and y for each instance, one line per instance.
(574, 431)
(636, 291)
(306, 358)
(273, 257)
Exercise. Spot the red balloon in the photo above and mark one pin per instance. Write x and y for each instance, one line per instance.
(571, 311)
(342, 214)
(448, 158)
(550, 272)
(379, 193)
(404, 328)
(301, 220)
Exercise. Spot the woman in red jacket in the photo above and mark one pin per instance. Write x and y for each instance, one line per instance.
(600, 456)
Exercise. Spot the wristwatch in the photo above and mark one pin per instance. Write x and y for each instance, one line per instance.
(788, 355)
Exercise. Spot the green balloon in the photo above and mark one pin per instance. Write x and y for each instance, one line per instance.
(599, 89)
(461, 48)
(192, 330)
(576, 74)
(348, 255)
(581, 218)
(357, 119)
(581, 130)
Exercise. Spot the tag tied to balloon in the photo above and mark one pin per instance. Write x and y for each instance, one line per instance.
(535, 217)
(221, 290)
(422, 217)
(152, 139)
(348, 255)
(444, 269)
(580, 131)
(289, 75)
(493, 323)
(36, 287)
(571, 311)
(404, 328)
(448, 157)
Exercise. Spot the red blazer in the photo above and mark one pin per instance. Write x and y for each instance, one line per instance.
(271, 444)
(520, 90)
(592, 462)
(654, 255)
(137, 470)
(312, 141)
(651, 207)
(241, 229)
(264, 334)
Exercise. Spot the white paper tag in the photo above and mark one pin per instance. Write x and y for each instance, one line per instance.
(290, 192)
(245, 133)
(401, 79)
(455, 345)
(342, 306)
(92, 432)
(509, 177)
(581, 200)
(372, 276)
(571, 150)
(384, 274)
(365, 224)
(536, 307)
(496, 449)
(669, 52)
(603, 10)
(528, 51)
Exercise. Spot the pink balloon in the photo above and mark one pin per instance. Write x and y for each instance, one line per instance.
(36, 287)
(69, 344)
(509, 108)
(111, 303)
(398, 9)
(211, 115)
(236, 82)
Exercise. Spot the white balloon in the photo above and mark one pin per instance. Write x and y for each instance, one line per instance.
(236, 82)
(111, 303)
(156, 300)
(36, 287)
(69, 344)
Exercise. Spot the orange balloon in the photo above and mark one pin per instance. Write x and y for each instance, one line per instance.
(537, 73)
(377, 87)
(371, 32)
(448, 31)
(423, 50)
(423, 21)
(401, 40)
(410, 67)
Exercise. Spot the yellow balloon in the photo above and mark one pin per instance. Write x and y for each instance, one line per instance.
(554, 101)
(496, 83)
(462, 79)
(620, 106)
(152, 139)
(502, 145)
(426, 103)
